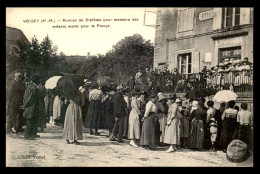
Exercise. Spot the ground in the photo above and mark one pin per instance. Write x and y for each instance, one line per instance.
(51, 151)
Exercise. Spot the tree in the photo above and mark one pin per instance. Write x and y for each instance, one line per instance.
(122, 60)
(48, 53)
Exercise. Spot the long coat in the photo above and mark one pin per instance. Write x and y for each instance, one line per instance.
(42, 111)
(119, 105)
(15, 96)
(31, 102)
(162, 118)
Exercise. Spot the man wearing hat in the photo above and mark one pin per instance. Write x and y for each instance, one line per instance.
(14, 101)
(31, 106)
(119, 112)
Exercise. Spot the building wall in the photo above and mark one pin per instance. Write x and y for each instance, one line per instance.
(206, 37)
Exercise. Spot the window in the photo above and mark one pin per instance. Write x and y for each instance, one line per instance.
(229, 53)
(231, 17)
(184, 63)
(185, 19)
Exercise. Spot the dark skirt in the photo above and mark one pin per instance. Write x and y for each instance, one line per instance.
(94, 111)
(228, 129)
(243, 133)
(110, 121)
(196, 137)
(148, 131)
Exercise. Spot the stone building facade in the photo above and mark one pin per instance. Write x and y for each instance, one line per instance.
(190, 38)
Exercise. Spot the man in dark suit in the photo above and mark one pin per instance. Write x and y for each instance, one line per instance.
(119, 113)
(31, 106)
(14, 101)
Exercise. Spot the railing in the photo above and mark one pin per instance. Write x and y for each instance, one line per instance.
(237, 81)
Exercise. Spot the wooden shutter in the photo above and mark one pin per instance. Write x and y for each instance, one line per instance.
(244, 16)
(190, 16)
(195, 62)
(217, 17)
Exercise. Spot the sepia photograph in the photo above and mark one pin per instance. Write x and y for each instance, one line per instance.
(129, 86)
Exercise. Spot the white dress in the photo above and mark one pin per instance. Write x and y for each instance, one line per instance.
(56, 107)
(134, 121)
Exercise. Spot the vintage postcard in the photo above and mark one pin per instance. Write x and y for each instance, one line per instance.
(129, 87)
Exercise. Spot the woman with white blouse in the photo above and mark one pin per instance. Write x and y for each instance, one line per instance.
(134, 122)
(245, 120)
(172, 131)
(148, 128)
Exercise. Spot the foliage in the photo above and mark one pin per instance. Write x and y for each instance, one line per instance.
(122, 61)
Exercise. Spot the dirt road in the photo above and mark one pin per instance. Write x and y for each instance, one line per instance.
(51, 151)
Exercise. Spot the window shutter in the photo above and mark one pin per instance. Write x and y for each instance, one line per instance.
(244, 16)
(217, 18)
(195, 62)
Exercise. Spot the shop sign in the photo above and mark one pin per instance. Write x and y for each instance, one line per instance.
(206, 15)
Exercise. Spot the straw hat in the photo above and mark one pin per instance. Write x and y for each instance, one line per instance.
(237, 151)
(178, 100)
(195, 103)
(119, 87)
(161, 97)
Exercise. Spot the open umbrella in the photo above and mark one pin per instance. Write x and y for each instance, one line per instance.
(196, 93)
(225, 96)
(104, 81)
(69, 84)
(52, 82)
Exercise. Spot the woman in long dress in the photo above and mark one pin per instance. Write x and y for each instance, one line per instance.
(134, 121)
(109, 111)
(196, 137)
(172, 130)
(147, 139)
(184, 125)
(162, 114)
(56, 108)
(73, 119)
(229, 120)
(244, 130)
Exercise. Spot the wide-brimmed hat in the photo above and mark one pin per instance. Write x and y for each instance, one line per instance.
(221, 65)
(161, 97)
(237, 151)
(119, 87)
(247, 62)
(195, 103)
(178, 100)
(159, 93)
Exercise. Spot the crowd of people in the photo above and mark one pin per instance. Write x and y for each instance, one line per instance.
(233, 75)
(146, 120)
